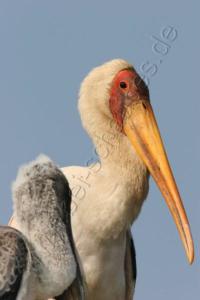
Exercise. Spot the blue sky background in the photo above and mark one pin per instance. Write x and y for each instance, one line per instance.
(46, 48)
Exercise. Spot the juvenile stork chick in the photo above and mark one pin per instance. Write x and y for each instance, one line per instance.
(39, 261)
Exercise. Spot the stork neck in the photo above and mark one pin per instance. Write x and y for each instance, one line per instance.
(116, 152)
(122, 183)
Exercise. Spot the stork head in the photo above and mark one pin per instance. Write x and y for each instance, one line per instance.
(115, 92)
(40, 192)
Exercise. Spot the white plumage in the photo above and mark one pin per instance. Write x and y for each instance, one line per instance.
(108, 195)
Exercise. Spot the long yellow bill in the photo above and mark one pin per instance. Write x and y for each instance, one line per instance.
(141, 128)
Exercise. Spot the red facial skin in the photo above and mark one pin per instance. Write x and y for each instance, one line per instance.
(132, 89)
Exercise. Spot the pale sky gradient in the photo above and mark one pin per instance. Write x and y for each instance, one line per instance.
(46, 48)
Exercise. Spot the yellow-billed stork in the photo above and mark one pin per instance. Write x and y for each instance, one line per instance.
(115, 109)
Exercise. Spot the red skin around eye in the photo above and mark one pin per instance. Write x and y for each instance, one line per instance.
(136, 89)
(118, 94)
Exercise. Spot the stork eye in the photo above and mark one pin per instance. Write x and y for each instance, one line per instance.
(123, 85)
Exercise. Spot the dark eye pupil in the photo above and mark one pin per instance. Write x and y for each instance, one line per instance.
(123, 84)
